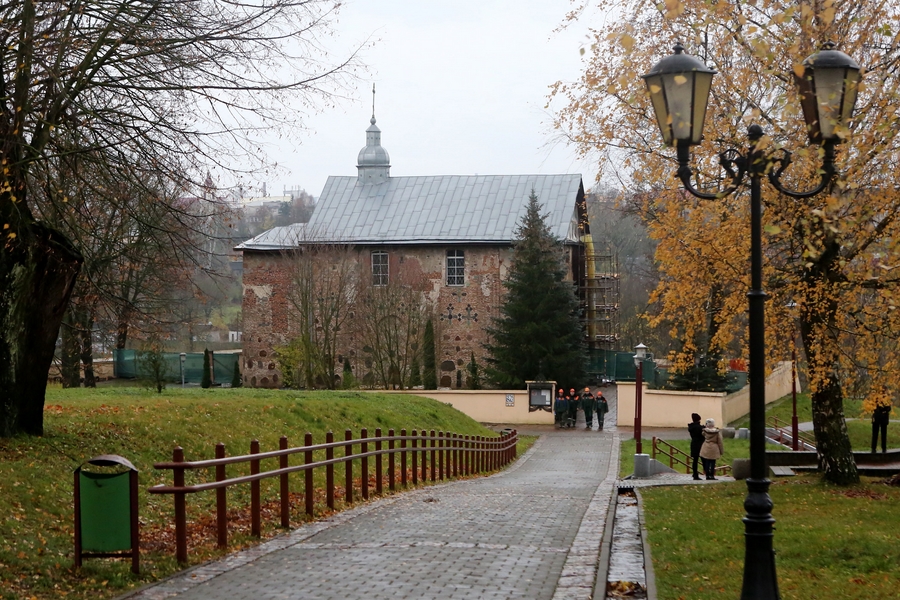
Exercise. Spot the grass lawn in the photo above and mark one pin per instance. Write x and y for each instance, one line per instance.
(36, 525)
(733, 449)
(831, 542)
(783, 409)
(859, 426)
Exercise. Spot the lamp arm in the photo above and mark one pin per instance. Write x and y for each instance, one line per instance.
(728, 160)
(784, 162)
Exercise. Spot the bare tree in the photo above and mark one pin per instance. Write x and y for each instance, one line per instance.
(391, 322)
(323, 296)
(142, 90)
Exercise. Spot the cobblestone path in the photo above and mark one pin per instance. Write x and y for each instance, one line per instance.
(533, 531)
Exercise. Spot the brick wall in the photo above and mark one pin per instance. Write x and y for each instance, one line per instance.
(461, 312)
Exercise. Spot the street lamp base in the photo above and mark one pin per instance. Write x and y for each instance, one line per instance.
(760, 581)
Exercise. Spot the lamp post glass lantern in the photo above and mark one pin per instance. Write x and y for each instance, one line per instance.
(678, 87)
(640, 353)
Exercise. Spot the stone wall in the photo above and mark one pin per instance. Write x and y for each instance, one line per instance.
(266, 317)
(670, 408)
(460, 312)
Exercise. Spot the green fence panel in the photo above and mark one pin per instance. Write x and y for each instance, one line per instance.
(223, 368)
(129, 365)
(125, 364)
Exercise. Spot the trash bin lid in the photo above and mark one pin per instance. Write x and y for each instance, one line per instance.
(108, 460)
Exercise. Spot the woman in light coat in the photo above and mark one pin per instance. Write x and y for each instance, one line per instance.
(712, 448)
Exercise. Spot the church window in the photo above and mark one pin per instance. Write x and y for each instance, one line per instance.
(379, 268)
(456, 267)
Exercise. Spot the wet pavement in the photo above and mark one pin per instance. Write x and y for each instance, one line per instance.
(532, 531)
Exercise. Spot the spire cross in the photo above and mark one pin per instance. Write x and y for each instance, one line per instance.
(373, 100)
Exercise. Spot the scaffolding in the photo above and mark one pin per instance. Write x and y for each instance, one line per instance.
(600, 298)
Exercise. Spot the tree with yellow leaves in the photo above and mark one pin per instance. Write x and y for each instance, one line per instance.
(830, 261)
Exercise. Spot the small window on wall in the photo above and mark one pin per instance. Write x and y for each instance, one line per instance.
(456, 267)
(379, 268)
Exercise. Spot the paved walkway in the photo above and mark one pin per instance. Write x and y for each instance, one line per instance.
(532, 531)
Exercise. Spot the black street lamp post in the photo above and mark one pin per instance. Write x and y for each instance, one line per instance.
(795, 425)
(679, 88)
(640, 353)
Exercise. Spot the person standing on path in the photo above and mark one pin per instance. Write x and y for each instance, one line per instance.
(712, 448)
(881, 416)
(696, 431)
(602, 408)
(561, 408)
(573, 407)
(587, 405)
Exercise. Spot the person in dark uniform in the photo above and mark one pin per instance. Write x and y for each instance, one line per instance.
(602, 408)
(587, 405)
(696, 431)
(881, 416)
(560, 408)
(573, 407)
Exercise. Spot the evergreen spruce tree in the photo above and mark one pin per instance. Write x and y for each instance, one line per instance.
(474, 375)
(703, 376)
(236, 374)
(429, 370)
(538, 330)
(206, 379)
(415, 373)
(348, 381)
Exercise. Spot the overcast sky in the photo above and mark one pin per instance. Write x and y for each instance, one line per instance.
(461, 89)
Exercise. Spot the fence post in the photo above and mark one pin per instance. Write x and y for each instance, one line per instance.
(482, 453)
(378, 469)
(348, 467)
(255, 528)
(492, 453)
(424, 453)
(450, 443)
(308, 479)
(391, 460)
(501, 451)
(415, 458)
(403, 458)
(441, 452)
(433, 473)
(329, 471)
(221, 506)
(456, 452)
(180, 509)
(285, 490)
(364, 462)
(515, 446)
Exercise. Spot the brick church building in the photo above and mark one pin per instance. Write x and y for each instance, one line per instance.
(457, 231)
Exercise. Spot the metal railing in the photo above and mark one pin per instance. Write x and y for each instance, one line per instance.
(679, 456)
(430, 455)
(782, 434)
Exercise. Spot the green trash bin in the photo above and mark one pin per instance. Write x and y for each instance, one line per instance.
(106, 511)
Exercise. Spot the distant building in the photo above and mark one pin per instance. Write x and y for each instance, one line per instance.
(457, 230)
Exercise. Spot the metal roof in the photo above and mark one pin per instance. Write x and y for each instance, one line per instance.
(444, 209)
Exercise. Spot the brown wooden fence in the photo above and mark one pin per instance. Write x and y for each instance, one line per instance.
(424, 455)
(679, 457)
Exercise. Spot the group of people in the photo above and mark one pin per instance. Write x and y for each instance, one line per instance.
(706, 445)
(567, 405)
